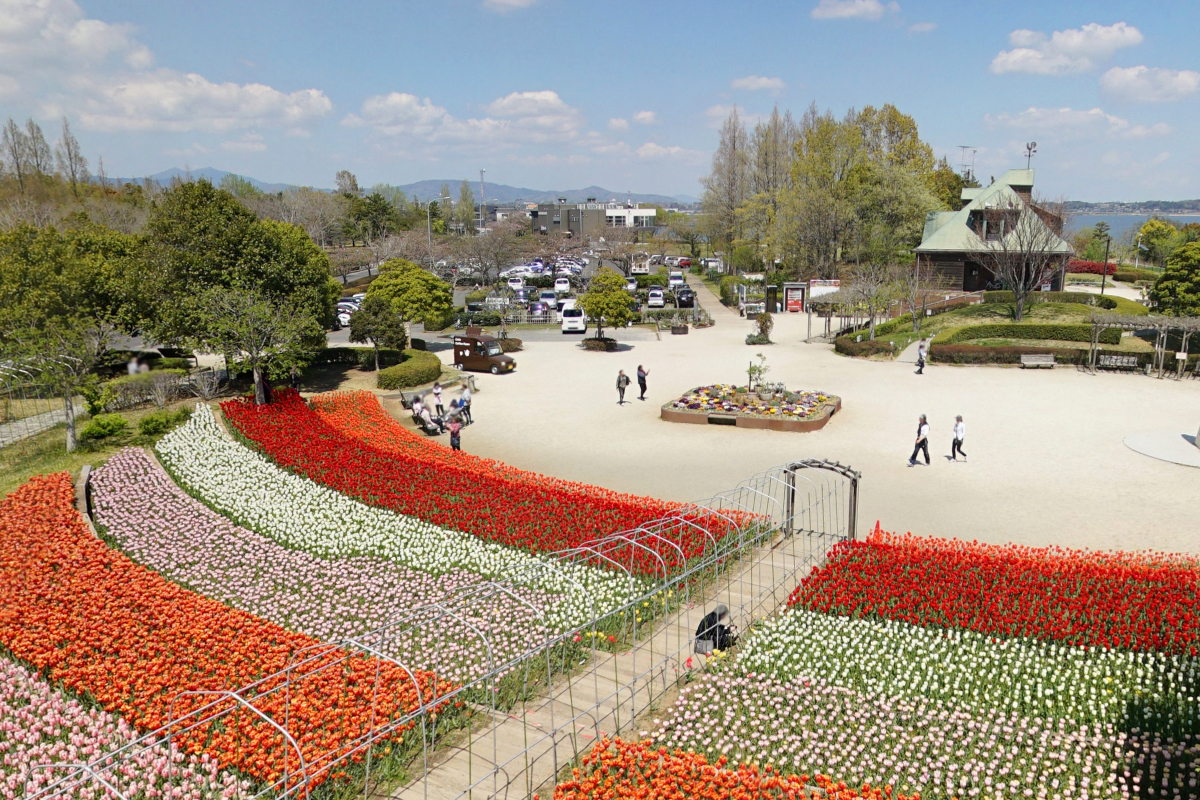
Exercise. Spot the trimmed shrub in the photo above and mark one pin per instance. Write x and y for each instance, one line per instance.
(510, 345)
(162, 421)
(978, 354)
(477, 319)
(1131, 275)
(601, 345)
(387, 358)
(658, 279)
(416, 368)
(172, 363)
(848, 347)
(102, 427)
(1085, 298)
(1013, 330)
(1077, 266)
(1106, 302)
(758, 338)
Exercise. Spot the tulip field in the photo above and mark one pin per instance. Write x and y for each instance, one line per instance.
(908, 666)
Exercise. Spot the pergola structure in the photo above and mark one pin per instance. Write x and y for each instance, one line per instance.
(1162, 326)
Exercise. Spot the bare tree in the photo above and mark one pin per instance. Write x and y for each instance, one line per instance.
(872, 287)
(623, 245)
(16, 151)
(70, 159)
(40, 159)
(727, 186)
(347, 183)
(1022, 246)
(319, 213)
(495, 248)
(913, 284)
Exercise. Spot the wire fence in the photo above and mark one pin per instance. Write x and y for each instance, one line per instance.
(461, 707)
(28, 405)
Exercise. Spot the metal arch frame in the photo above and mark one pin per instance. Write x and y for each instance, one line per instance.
(751, 509)
(854, 476)
(77, 768)
(237, 698)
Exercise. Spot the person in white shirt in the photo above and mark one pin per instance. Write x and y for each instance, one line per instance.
(464, 405)
(922, 443)
(960, 431)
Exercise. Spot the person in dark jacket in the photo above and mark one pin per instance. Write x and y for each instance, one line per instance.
(715, 632)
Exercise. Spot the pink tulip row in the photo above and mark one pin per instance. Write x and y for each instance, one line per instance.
(163, 528)
(41, 725)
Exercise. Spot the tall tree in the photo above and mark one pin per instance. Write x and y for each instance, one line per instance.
(16, 151)
(71, 161)
(239, 186)
(41, 161)
(727, 186)
(1177, 290)
(606, 301)
(464, 213)
(65, 295)
(415, 294)
(347, 184)
(1025, 251)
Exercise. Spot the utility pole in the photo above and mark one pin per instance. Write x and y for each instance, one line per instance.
(482, 200)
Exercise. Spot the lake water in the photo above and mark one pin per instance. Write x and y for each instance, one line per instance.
(1119, 223)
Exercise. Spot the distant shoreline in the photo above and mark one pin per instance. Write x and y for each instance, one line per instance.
(1181, 208)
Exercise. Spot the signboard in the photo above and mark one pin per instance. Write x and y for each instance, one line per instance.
(818, 288)
(794, 298)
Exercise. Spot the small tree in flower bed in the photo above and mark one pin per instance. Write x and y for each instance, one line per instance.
(1136, 601)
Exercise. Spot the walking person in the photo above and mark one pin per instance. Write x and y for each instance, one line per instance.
(455, 428)
(921, 358)
(622, 382)
(464, 403)
(960, 432)
(641, 376)
(922, 443)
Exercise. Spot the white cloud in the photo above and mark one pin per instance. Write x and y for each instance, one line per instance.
(504, 6)
(101, 74)
(612, 149)
(515, 119)
(922, 27)
(852, 9)
(1072, 50)
(756, 83)
(1150, 85)
(249, 143)
(645, 118)
(8, 86)
(1071, 123)
(652, 151)
(618, 124)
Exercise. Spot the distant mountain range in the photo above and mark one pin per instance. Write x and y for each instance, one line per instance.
(1145, 207)
(432, 190)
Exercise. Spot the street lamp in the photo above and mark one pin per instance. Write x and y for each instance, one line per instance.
(1104, 271)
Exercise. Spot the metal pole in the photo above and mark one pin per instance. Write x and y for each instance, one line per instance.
(482, 198)
(1104, 272)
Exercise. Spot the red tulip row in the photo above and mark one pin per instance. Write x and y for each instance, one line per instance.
(98, 623)
(619, 770)
(380, 465)
(1132, 601)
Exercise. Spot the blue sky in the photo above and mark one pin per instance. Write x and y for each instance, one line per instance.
(554, 94)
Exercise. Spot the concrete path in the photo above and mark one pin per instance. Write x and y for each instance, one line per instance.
(1177, 448)
(522, 751)
(12, 432)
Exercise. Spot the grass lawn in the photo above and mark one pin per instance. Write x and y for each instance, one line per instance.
(46, 452)
(1129, 344)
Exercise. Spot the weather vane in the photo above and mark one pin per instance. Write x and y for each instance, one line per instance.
(1030, 149)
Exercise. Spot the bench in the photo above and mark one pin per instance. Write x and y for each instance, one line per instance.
(428, 429)
(1118, 362)
(1037, 361)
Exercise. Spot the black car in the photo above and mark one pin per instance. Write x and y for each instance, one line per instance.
(685, 298)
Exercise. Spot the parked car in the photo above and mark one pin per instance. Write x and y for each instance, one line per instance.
(343, 319)
(516, 282)
(631, 284)
(671, 261)
(675, 280)
(539, 309)
(573, 321)
(564, 304)
(562, 286)
(656, 299)
(481, 353)
(685, 298)
(548, 296)
(360, 296)
(522, 296)
(685, 262)
(346, 308)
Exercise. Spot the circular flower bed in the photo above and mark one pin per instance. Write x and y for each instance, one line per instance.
(728, 399)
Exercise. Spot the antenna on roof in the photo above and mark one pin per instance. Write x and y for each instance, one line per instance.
(1030, 150)
(967, 172)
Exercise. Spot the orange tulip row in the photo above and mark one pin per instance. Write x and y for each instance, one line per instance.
(102, 625)
(620, 770)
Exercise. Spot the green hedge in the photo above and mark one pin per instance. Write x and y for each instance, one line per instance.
(728, 291)
(418, 367)
(980, 354)
(658, 279)
(336, 355)
(103, 426)
(1013, 330)
(848, 347)
(1085, 298)
(387, 358)
(1131, 275)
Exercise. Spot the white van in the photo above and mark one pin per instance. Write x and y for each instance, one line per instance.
(675, 280)
(573, 320)
(564, 304)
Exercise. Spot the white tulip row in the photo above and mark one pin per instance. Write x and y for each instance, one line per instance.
(300, 514)
(969, 669)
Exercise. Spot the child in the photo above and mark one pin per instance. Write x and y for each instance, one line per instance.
(455, 431)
